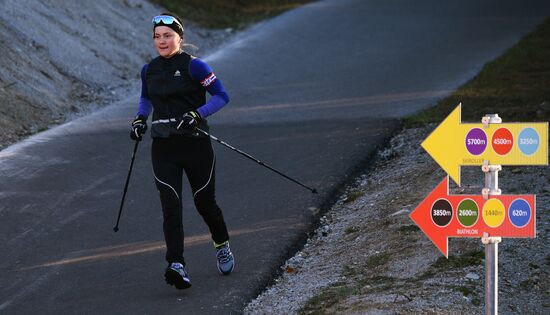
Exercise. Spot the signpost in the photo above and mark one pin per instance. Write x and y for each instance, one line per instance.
(441, 216)
(489, 215)
(453, 144)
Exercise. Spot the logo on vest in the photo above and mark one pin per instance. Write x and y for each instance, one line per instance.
(177, 73)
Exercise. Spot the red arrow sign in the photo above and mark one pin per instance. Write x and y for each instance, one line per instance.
(441, 216)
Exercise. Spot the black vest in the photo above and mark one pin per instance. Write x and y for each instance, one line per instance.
(173, 92)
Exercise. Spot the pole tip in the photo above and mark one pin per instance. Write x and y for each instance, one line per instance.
(115, 229)
(314, 191)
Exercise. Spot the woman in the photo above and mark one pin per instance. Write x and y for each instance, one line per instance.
(174, 87)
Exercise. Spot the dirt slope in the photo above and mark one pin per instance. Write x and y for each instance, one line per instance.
(64, 58)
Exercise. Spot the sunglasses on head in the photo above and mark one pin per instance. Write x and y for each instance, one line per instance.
(165, 19)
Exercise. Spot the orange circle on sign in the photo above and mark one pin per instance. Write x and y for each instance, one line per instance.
(502, 141)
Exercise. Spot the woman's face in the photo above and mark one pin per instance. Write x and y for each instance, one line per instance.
(167, 41)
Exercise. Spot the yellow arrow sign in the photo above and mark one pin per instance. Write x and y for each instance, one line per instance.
(453, 144)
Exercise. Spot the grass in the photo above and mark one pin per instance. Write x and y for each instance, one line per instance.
(468, 291)
(378, 260)
(338, 292)
(352, 229)
(353, 195)
(363, 280)
(327, 298)
(514, 85)
(408, 229)
(472, 258)
(463, 289)
(235, 14)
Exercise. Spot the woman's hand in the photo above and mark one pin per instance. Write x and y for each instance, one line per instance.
(189, 120)
(139, 126)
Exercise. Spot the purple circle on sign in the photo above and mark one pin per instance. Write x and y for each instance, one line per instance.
(476, 141)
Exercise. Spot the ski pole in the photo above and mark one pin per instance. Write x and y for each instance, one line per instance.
(313, 190)
(126, 186)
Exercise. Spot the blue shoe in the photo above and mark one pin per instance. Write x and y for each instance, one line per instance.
(226, 261)
(176, 275)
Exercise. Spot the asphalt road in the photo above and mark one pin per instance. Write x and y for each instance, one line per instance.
(314, 93)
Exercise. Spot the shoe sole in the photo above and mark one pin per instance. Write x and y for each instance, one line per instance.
(174, 278)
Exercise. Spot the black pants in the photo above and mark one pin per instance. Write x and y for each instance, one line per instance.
(195, 156)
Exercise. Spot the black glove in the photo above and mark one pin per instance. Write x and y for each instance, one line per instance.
(190, 120)
(139, 126)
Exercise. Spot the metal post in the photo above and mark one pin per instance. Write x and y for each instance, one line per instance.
(491, 180)
(491, 171)
(491, 273)
(491, 243)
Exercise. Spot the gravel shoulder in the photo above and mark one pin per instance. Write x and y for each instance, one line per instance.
(368, 257)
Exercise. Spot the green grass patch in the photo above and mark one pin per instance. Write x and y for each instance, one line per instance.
(235, 14)
(352, 229)
(527, 284)
(353, 195)
(326, 299)
(378, 260)
(533, 265)
(472, 258)
(515, 85)
(465, 290)
(408, 229)
(333, 295)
